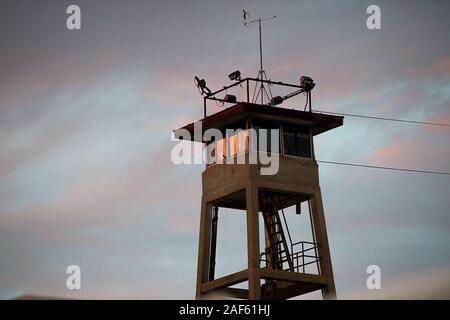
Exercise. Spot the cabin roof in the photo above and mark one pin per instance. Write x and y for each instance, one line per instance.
(318, 122)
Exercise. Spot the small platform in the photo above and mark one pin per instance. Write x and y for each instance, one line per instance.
(289, 284)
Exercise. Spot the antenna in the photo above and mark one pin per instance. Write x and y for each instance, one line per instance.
(261, 73)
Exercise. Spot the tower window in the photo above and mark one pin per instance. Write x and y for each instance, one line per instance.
(266, 131)
(297, 141)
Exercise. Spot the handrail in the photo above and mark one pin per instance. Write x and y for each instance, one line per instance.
(256, 80)
(299, 257)
(211, 95)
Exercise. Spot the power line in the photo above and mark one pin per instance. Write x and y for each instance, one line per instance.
(386, 119)
(383, 168)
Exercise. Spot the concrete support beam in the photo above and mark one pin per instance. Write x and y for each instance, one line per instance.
(320, 230)
(226, 281)
(293, 276)
(254, 279)
(204, 244)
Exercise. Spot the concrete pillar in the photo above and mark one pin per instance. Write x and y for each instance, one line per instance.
(254, 277)
(320, 230)
(204, 243)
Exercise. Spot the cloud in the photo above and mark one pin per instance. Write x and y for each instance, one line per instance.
(429, 284)
(85, 171)
(442, 65)
(412, 154)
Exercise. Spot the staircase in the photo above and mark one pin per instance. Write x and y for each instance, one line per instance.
(277, 253)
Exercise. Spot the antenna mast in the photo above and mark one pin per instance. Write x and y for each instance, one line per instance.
(261, 73)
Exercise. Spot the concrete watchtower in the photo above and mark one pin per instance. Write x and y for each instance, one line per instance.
(278, 272)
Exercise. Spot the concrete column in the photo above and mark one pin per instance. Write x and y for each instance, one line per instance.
(320, 229)
(204, 243)
(254, 277)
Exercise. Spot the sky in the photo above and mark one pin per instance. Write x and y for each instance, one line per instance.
(86, 118)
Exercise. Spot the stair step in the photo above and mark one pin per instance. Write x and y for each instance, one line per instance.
(275, 239)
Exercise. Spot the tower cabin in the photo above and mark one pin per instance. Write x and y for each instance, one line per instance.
(262, 189)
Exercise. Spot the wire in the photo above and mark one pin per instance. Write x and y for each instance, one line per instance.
(383, 168)
(386, 119)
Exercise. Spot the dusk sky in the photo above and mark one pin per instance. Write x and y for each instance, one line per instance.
(86, 118)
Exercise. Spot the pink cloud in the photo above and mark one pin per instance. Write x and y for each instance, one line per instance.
(44, 75)
(418, 153)
(101, 194)
(442, 65)
(443, 118)
(423, 285)
(395, 150)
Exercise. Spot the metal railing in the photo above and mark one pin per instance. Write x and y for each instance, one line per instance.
(305, 255)
(247, 82)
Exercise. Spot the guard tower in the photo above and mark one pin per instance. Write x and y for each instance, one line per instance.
(280, 270)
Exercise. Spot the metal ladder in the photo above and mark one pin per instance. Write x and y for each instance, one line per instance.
(278, 253)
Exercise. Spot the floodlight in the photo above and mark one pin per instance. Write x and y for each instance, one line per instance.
(230, 98)
(201, 85)
(276, 100)
(307, 83)
(235, 76)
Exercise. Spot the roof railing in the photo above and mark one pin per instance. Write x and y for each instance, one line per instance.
(274, 100)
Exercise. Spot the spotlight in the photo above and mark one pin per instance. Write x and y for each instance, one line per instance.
(201, 85)
(235, 76)
(307, 83)
(230, 98)
(276, 100)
